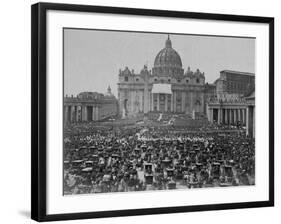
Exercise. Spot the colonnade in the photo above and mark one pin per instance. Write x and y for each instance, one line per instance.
(78, 113)
(227, 115)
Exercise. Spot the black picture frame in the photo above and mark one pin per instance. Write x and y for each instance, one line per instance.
(39, 107)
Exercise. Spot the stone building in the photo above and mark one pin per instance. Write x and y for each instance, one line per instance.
(231, 109)
(231, 103)
(90, 106)
(165, 88)
(228, 110)
(234, 82)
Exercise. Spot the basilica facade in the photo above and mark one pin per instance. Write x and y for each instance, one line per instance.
(167, 87)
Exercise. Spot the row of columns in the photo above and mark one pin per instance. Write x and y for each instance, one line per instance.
(158, 102)
(250, 123)
(246, 116)
(229, 116)
(173, 105)
(78, 113)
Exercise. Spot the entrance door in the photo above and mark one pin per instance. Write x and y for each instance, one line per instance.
(215, 115)
(89, 113)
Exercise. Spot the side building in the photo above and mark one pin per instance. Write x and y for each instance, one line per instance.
(90, 106)
(234, 82)
(234, 101)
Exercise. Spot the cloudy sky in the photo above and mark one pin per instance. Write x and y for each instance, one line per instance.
(92, 58)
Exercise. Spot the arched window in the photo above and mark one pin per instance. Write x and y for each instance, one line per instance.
(126, 78)
(197, 80)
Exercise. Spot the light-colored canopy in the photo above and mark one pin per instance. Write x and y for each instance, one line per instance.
(162, 88)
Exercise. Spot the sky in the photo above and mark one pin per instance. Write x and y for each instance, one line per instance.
(92, 58)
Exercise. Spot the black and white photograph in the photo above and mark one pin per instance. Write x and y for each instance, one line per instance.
(147, 111)
(144, 111)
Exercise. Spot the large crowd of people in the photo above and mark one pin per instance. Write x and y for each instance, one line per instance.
(138, 158)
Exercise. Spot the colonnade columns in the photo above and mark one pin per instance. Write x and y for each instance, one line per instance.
(77, 113)
(69, 114)
(166, 102)
(149, 104)
(234, 116)
(72, 114)
(66, 114)
(247, 121)
(212, 115)
(244, 116)
(175, 101)
(172, 100)
(240, 116)
(183, 102)
(152, 102)
(97, 112)
(219, 115)
(226, 116)
(208, 110)
(84, 113)
(158, 101)
(94, 114)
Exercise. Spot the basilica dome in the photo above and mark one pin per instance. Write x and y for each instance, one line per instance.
(168, 57)
(167, 60)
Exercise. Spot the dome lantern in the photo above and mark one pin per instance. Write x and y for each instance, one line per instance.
(168, 42)
(109, 90)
